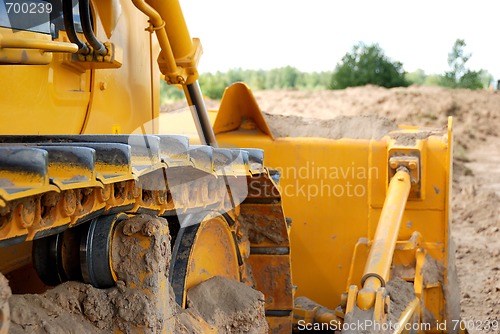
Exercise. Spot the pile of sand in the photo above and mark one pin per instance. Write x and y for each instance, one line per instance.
(143, 299)
(355, 127)
(476, 113)
(233, 308)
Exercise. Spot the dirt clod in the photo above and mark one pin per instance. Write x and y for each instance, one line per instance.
(231, 306)
(432, 271)
(5, 294)
(4, 290)
(401, 294)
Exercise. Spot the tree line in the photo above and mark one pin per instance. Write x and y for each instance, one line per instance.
(288, 77)
(362, 65)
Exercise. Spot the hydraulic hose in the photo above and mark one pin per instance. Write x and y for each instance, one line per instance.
(98, 47)
(69, 25)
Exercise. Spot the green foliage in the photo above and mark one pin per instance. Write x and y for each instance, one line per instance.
(170, 93)
(419, 77)
(459, 76)
(282, 78)
(367, 64)
(416, 77)
(432, 80)
(214, 84)
(486, 79)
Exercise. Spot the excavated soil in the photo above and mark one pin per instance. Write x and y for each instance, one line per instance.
(141, 258)
(232, 307)
(401, 294)
(355, 127)
(5, 294)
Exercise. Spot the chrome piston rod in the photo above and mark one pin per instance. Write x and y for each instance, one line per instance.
(200, 114)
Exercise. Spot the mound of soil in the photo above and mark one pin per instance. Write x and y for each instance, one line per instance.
(143, 299)
(230, 306)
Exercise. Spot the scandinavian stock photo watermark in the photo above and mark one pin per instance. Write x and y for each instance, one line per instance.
(313, 180)
(373, 326)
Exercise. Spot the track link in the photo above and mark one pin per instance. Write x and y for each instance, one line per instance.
(50, 183)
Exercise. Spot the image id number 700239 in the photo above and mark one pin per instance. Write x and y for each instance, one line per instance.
(28, 7)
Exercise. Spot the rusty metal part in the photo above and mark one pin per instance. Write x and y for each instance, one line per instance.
(262, 220)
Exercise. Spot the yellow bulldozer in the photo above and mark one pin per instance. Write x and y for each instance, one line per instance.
(347, 235)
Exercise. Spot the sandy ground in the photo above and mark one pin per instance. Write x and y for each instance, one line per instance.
(476, 186)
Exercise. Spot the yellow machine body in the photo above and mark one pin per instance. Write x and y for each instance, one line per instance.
(334, 191)
(60, 96)
(81, 150)
(363, 211)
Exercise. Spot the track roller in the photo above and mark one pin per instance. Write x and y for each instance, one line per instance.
(56, 258)
(95, 251)
(81, 253)
(47, 259)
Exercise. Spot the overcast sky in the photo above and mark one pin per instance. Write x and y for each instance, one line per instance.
(314, 35)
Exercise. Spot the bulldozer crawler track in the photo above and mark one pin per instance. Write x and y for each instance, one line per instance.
(70, 181)
(50, 183)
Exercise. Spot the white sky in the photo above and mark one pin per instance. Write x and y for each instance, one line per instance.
(314, 35)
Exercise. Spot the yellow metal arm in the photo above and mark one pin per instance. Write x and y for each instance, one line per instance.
(379, 260)
(42, 45)
(179, 57)
(158, 25)
(180, 54)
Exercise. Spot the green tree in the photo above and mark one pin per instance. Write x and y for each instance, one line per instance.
(288, 77)
(169, 93)
(459, 76)
(416, 77)
(432, 80)
(486, 79)
(213, 85)
(367, 64)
